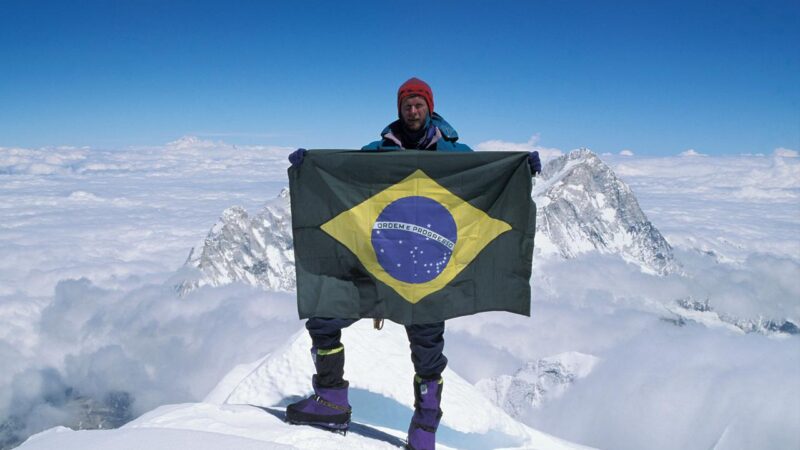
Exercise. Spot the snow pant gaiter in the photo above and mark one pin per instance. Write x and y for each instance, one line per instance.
(427, 414)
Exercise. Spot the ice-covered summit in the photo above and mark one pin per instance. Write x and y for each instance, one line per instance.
(584, 207)
(257, 250)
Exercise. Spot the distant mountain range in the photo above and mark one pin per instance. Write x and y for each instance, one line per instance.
(582, 205)
(689, 309)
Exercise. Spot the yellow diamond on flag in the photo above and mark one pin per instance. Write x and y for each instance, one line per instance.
(415, 236)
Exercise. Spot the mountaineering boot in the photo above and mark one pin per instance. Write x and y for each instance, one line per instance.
(328, 407)
(427, 414)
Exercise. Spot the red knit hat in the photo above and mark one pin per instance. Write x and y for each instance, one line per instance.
(415, 86)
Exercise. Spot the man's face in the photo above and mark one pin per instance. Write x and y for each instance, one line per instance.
(414, 111)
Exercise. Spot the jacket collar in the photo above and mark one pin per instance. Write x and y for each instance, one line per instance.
(446, 131)
(436, 137)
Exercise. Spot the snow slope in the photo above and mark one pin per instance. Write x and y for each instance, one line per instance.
(380, 374)
(138, 438)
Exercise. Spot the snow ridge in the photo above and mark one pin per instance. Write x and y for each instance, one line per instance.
(690, 309)
(380, 375)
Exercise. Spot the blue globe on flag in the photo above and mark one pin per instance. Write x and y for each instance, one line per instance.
(414, 238)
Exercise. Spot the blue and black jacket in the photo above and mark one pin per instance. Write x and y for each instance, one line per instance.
(444, 137)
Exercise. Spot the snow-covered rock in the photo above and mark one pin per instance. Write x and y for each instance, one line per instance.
(584, 207)
(537, 382)
(257, 251)
(690, 309)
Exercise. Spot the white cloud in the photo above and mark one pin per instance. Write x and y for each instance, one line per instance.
(187, 154)
(656, 374)
(44, 161)
(194, 143)
(691, 152)
(711, 175)
(732, 206)
(90, 245)
(661, 381)
(626, 152)
(147, 343)
(532, 144)
(785, 152)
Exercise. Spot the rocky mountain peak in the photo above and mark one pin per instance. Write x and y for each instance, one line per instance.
(257, 250)
(584, 206)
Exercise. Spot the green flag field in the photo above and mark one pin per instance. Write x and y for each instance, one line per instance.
(412, 236)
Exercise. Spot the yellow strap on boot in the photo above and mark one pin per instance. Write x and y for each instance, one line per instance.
(332, 351)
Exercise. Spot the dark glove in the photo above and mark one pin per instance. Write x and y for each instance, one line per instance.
(297, 156)
(535, 163)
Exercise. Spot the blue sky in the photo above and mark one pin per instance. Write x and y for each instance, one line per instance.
(655, 78)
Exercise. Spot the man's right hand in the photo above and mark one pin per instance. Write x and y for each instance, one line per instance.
(297, 156)
(535, 163)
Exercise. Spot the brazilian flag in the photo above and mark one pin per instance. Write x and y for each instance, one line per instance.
(412, 236)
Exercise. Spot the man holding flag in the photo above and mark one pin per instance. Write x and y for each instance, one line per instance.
(384, 271)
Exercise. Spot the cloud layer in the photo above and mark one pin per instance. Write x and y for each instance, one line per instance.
(545, 153)
(91, 241)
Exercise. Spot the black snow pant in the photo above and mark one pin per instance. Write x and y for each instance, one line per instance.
(426, 342)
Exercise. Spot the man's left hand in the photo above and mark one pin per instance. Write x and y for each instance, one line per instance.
(535, 163)
(297, 156)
